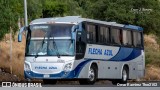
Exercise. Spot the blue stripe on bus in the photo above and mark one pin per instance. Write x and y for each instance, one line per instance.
(31, 74)
(124, 54)
(72, 74)
(135, 53)
(80, 66)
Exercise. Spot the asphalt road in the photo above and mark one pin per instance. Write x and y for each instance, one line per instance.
(101, 85)
(85, 88)
(105, 83)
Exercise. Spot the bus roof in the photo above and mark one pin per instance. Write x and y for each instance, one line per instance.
(133, 27)
(78, 19)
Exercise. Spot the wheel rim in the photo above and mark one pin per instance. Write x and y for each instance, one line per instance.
(124, 75)
(91, 74)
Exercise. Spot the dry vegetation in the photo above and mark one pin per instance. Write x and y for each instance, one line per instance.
(152, 73)
(152, 53)
(152, 50)
(16, 63)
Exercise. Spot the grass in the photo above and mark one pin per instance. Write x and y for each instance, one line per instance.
(152, 73)
(152, 53)
(14, 65)
(152, 57)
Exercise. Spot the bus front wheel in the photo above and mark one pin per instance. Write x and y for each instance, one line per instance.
(92, 74)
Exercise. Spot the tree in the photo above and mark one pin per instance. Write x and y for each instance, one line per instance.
(35, 8)
(120, 11)
(10, 12)
(73, 8)
(54, 8)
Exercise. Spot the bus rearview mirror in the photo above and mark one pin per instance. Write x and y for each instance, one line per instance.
(76, 27)
(19, 37)
(20, 33)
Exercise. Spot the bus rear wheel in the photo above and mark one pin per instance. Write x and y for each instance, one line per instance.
(49, 81)
(92, 77)
(125, 75)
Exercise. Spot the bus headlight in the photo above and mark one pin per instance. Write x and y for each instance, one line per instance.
(27, 67)
(68, 67)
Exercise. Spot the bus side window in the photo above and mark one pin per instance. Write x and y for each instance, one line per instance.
(127, 38)
(115, 36)
(103, 35)
(137, 39)
(91, 33)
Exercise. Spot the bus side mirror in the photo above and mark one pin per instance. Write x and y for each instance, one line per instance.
(19, 37)
(74, 28)
(20, 33)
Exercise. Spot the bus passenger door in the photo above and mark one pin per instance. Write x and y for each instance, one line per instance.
(80, 45)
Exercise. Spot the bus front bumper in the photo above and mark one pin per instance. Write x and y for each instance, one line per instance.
(61, 75)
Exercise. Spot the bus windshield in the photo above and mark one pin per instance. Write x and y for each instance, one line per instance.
(50, 40)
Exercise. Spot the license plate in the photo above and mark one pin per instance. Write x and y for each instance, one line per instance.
(46, 76)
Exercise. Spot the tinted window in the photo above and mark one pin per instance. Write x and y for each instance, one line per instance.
(53, 30)
(103, 35)
(137, 41)
(127, 37)
(80, 45)
(116, 36)
(91, 33)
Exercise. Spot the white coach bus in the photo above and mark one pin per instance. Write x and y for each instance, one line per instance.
(82, 49)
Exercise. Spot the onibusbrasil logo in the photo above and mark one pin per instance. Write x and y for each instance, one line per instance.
(13, 84)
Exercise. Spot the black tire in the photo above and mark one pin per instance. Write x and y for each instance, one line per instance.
(49, 81)
(125, 75)
(92, 80)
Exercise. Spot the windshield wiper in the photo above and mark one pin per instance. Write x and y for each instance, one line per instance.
(54, 44)
(41, 45)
